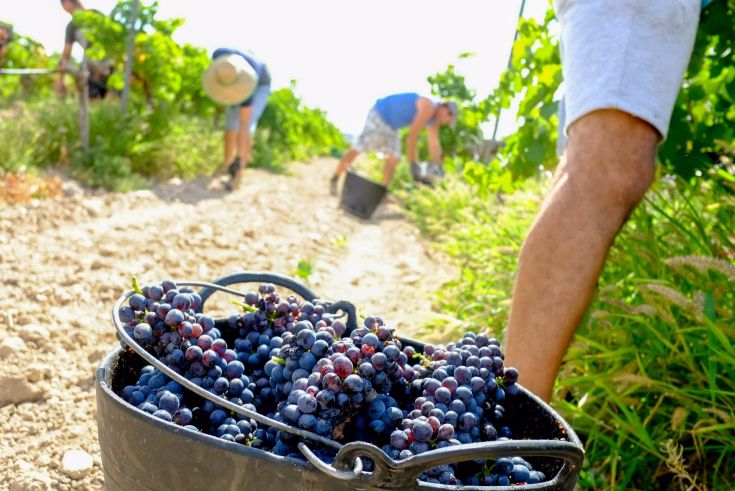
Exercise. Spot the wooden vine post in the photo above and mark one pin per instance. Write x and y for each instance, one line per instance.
(84, 103)
(125, 97)
(510, 62)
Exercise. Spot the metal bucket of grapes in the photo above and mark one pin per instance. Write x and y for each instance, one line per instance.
(293, 392)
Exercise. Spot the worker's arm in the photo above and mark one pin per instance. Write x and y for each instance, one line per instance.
(435, 145)
(69, 36)
(65, 57)
(424, 112)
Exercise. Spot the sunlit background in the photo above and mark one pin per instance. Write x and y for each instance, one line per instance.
(343, 54)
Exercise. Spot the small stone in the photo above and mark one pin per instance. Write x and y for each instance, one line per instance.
(24, 320)
(37, 372)
(93, 207)
(31, 481)
(25, 466)
(107, 250)
(34, 333)
(76, 463)
(14, 388)
(10, 345)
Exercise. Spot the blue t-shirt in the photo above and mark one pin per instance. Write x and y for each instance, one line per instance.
(264, 75)
(398, 110)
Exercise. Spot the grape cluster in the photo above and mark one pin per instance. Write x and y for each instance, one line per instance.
(296, 363)
(458, 398)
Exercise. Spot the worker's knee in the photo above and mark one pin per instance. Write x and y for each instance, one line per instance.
(613, 155)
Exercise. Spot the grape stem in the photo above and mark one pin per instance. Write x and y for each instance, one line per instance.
(136, 285)
(245, 307)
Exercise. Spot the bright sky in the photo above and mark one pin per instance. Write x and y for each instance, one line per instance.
(343, 54)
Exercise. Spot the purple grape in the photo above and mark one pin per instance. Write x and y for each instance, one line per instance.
(174, 317)
(445, 432)
(164, 415)
(354, 383)
(399, 440)
(307, 404)
(142, 331)
(343, 366)
(422, 431)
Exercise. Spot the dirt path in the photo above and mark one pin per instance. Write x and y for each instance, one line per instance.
(64, 262)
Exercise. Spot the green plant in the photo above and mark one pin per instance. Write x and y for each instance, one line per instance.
(289, 130)
(166, 75)
(304, 269)
(483, 238)
(648, 381)
(24, 52)
(649, 378)
(168, 130)
(701, 131)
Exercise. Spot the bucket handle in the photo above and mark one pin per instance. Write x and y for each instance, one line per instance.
(300, 289)
(257, 277)
(391, 474)
(130, 342)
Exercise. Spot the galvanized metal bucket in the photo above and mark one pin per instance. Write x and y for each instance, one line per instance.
(142, 452)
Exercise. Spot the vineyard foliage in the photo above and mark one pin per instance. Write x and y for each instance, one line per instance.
(24, 52)
(171, 128)
(702, 132)
(647, 382)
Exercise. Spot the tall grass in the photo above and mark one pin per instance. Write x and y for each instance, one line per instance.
(124, 152)
(150, 143)
(649, 382)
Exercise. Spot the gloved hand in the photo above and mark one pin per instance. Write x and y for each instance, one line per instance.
(417, 172)
(435, 170)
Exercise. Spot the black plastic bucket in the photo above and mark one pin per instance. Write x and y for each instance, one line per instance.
(361, 196)
(142, 452)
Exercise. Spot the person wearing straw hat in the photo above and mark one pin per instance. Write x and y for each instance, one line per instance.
(243, 84)
(380, 134)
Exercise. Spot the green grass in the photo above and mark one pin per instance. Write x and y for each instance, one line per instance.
(649, 381)
(125, 153)
(304, 269)
(151, 143)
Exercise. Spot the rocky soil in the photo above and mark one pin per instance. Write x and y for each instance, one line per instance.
(63, 263)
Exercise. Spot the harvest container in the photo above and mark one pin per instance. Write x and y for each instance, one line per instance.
(141, 452)
(361, 196)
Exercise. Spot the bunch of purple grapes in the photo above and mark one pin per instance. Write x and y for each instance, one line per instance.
(335, 386)
(460, 393)
(296, 363)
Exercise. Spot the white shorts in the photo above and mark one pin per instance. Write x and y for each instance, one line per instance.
(258, 101)
(378, 136)
(625, 54)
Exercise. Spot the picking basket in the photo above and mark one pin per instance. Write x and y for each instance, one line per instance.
(142, 452)
(361, 196)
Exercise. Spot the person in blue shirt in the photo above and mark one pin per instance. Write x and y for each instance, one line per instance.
(380, 134)
(243, 84)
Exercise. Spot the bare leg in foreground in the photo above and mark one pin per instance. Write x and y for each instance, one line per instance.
(609, 166)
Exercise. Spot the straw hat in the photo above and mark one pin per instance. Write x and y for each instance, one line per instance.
(229, 80)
